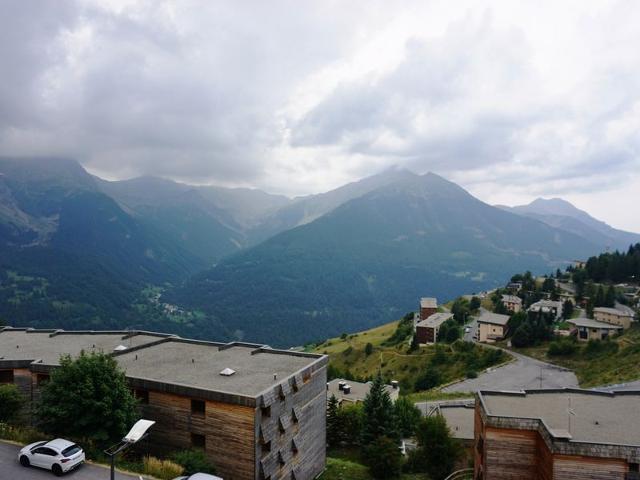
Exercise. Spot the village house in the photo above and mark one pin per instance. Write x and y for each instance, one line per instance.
(428, 306)
(613, 316)
(258, 413)
(427, 329)
(547, 307)
(492, 327)
(590, 329)
(557, 434)
(348, 391)
(512, 303)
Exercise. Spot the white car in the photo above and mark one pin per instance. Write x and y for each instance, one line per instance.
(199, 476)
(58, 455)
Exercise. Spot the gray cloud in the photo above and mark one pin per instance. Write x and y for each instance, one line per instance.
(303, 97)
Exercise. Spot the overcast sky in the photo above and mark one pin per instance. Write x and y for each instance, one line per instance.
(512, 100)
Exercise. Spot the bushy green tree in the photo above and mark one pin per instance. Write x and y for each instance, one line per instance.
(368, 349)
(87, 398)
(437, 450)
(407, 415)
(384, 458)
(334, 429)
(567, 309)
(429, 379)
(11, 402)
(378, 414)
(523, 336)
(351, 420)
(474, 303)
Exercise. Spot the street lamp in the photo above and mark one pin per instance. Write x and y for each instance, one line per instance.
(137, 433)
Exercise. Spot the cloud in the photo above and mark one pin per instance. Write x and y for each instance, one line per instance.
(302, 98)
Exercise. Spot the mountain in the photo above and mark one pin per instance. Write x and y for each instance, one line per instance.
(70, 253)
(303, 210)
(563, 215)
(369, 260)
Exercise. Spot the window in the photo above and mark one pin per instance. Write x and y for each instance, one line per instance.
(142, 396)
(634, 467)
(266, 411)
(6, 376)
(198, 440)
(41, 379)
(72, 450)
(306, 377)
(480, 445)
(266, 447)
(197, 407)
(45, 451)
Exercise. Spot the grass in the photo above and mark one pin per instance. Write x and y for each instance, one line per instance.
(598, 368)
(347, 354)
(436, 395)
(345, 464)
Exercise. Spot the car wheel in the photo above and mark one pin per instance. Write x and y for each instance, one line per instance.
(57, 470)
(24, 461)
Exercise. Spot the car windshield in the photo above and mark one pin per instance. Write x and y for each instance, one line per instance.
(72, 450)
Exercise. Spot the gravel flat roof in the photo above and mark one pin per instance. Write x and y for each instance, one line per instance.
(608, 418)
(197, 364)
(49, 345)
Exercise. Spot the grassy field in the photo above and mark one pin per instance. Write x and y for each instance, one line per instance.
(348, 354)
(608, 365)
(343, 469)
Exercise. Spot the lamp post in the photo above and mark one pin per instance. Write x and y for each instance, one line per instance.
(137, 433)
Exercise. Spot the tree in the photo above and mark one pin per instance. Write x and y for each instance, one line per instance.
(610, 297)
(378, 414)
(474, 304)
(350, 420)
(437, 450)
(407, 415)
(567, 309)
(368, 349)
(523, 336)
(87, 398)
(384, 458)
(11, 402)
(334, 429)
(414, 343)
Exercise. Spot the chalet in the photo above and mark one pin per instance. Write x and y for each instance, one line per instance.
(558, 434)
(348, 391)
(512, 303)
(547, 307)
(427, 329)
(492, 326)
(614, 316)
(590, 329)
(514, 287)
(428, 306)
(257, 412)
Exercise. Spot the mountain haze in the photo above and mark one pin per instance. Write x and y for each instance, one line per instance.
(371, 258)
(563, 215)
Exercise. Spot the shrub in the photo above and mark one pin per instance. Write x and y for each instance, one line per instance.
(562, 348)
(471, 374)
(368, 349)
(11, 402)
(600, 347)
(162, 469)
(20, 434)
(193, 461)
(429, 379)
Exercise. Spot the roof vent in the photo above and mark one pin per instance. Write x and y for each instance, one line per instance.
(227, 372)
(346, 389)
(120, 348)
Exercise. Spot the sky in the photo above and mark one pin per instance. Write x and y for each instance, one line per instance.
(512, 100)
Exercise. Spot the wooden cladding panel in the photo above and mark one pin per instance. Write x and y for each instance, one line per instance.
(545, 460)
(588, 468)
(228, 431)
(510, 454)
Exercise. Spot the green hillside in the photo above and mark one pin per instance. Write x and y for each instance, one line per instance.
(430, 365)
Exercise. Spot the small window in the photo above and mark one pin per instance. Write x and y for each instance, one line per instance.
(266, 411)
(197, 407)
(142, 396)
(6, 376)
(306, 377)
(198, 440)
(634, 467)
(266, 447)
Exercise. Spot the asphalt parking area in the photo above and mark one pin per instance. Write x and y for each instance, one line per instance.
(10, 469)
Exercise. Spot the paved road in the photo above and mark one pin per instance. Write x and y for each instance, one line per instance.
(524, 373)
(10, 469)
(473, 328)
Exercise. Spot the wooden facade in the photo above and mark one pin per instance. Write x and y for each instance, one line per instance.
(522, 449)
(280, 434)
